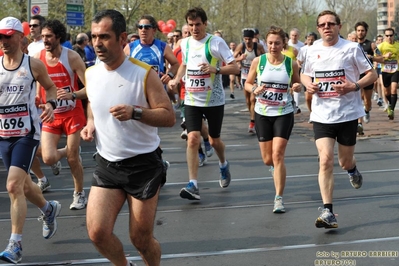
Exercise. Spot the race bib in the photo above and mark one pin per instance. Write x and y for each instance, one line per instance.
(390, 66)
(245, 70)
(325, 80)
(274, 95)
(197, 81)
(14, 121)
(65, 105)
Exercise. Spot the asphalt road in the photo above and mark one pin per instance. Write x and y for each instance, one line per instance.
(235, 226)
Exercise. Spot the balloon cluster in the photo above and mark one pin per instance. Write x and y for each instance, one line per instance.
(26, 28)
(167, 27)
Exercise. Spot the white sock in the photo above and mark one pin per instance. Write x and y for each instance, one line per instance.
(43, 179)
(194, 181)
(223, 165)
(45, 208)
(16, 237)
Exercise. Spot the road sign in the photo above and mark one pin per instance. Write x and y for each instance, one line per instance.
(39, 7)
(35, 10)
(75, 12)
(78, 8)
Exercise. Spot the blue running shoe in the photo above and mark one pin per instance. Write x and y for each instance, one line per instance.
(202, 159)
(225, 176)
(208, 149)
(190, 192)
(50, 221)
(12, 253)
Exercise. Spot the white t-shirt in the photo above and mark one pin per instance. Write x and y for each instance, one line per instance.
(297, 45)
(326, 64)
(204, 89)
(35, 47)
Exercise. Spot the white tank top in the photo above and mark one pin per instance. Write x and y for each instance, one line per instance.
(202, 89)
(246, 63)
(118, 140)
(277, 99)
(18, 113)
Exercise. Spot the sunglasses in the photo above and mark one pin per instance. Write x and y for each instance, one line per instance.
(176, 36)
(5, 36)
(145, 26)
(390, 35)
(328, 24)
(33, 25)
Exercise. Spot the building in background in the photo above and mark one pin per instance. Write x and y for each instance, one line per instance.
(387, 15)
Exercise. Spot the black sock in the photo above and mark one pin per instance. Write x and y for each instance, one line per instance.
(206, 139)
(252, 121)
(351, 171)
(394, 99)
(329, 206)
(201, 151)
(389, 99)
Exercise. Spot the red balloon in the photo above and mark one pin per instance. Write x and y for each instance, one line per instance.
(26, 28)
(165, 29)
(170, 26)
(171, 21)
(161, 23)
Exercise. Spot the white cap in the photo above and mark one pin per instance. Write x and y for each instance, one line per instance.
(170, 35)
(9, 25)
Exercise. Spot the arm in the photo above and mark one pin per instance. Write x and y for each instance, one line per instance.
(237, 53)
(261, 49)
(87, 133)
(295, 80)
(249, 85)
(174, 64)
(79, 67)
(40, 73)
(126, 50)
(179, 75)
(311, 87)
(160, 113)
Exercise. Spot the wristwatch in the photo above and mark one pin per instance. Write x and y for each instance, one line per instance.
(217, 70)
(357, 86)
(137, 113)
(171, 75)
(73, 96)
(53, 103)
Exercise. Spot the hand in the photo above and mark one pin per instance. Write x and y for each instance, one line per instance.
(165, 78)
(122, 112)
(206, 68)
(64, 95)
(344, 87)
(312, 88)
(259, 90)
(87, 133)
(296, 87)
(47, 115)
(172, 84)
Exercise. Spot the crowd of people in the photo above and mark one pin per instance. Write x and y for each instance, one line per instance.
(145, 80)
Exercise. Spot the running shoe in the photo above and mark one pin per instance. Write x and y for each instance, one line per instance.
(43, 185)
(379, 102)
(360, 129)
(271, 170)
(232, 96)
(225, 176)
(12, 253)
(131, 263)
(251, 128)
(190, 192)
(79, 201)
(366, 118)
(326, 219)
(356, 179)
(391, 114)
(56, 168)
(183, 135)
(208, 149)
(375, 96)
(50, 221)
(183, 125)
(297, 110)
(202, 159)
(278, 205)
